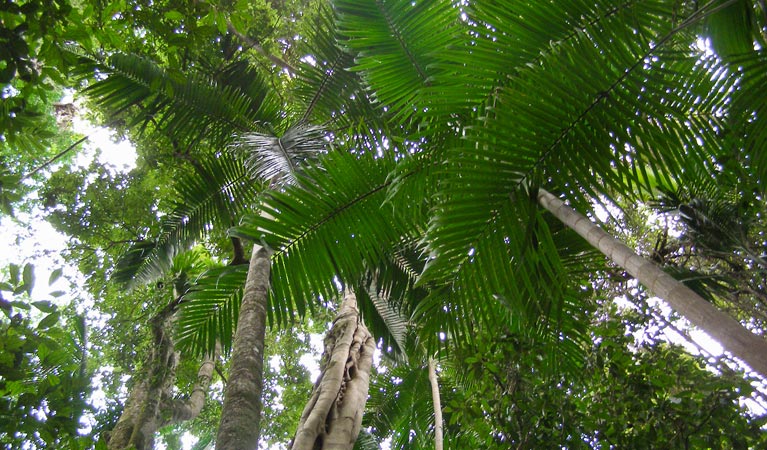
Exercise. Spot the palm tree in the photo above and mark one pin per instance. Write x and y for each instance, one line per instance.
(218, 189)
(484, 105)
(493, 102)
(722, 327)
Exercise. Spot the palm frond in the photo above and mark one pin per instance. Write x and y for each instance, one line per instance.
(401, 400)
(185, 107)
(522, 277)
(383, 315)
(209, 310)
(216, 193)
(579, 126)
(747, 131)
(328, 92)
(277, 159)
(366, 441)
(404, 53)
(332, 223)
(732, 28)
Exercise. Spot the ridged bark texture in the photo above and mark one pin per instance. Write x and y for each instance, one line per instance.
(437, 402)
(240, 416)
(151, 403)
(333, 416)
(733, 336)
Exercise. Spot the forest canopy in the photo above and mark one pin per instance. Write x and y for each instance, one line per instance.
(388, 224)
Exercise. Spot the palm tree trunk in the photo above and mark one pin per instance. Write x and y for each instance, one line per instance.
(333, 417)
(735, 338)
(437, 404)
(240, 416)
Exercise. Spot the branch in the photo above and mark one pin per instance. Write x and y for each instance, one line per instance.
(55, 158)
(257, 47)
(239, 252)
(188, 409)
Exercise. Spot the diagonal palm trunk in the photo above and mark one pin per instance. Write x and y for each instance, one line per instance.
(332, 418)
(240, 416)
(735, 338)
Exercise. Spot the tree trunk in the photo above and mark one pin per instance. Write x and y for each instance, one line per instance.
(437, 404)
(733, 336)
(151, 403)
(240, 416)
(333, 416)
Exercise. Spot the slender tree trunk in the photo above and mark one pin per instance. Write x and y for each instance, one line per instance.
(180, 410)
(151, 403)
(733, 336)
(438, 438)
(240, 417)
(333, 416)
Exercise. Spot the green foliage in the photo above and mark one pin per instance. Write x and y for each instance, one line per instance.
(215, 193)
(44, 384)
(33, 68)
(184, 107)
(628, 395)
(315, 223)
(435, 122)
(210, 309)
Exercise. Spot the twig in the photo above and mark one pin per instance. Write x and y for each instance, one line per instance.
(257, 47)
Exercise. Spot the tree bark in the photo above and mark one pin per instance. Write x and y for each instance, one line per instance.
(333, 416)
(733, 336)
(241, 414)
(151, 403)
(437, 402)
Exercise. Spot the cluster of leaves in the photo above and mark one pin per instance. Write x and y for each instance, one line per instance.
(443, 119)
(31, 65)
(498, 393)
(45, 382)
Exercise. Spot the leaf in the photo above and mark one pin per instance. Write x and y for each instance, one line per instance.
(174, 15)
(221, 22)
(15, 272)
(80, 327)
(57, 294)
(29, 277)
(45, 306)
(55, 275)
(21, 305)
(48, 321)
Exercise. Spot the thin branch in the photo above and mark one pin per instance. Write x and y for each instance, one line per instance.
(257, 47)
(55, 158)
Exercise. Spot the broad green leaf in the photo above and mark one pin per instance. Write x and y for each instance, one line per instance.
(29, 277)
(48, 321)
(45, 306)
(55, 275)
(15, 272)
(174, 15)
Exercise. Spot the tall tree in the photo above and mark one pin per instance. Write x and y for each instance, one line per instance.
(333, 415)
(475, 107)
(727, 331)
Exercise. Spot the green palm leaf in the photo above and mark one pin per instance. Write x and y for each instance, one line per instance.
(577, 126)
(209, 310)
(216, 193)
(404, 55)
(277, 159)
(184, 107)
(331, 223)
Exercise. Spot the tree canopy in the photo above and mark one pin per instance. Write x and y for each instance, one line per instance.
(394, 152)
